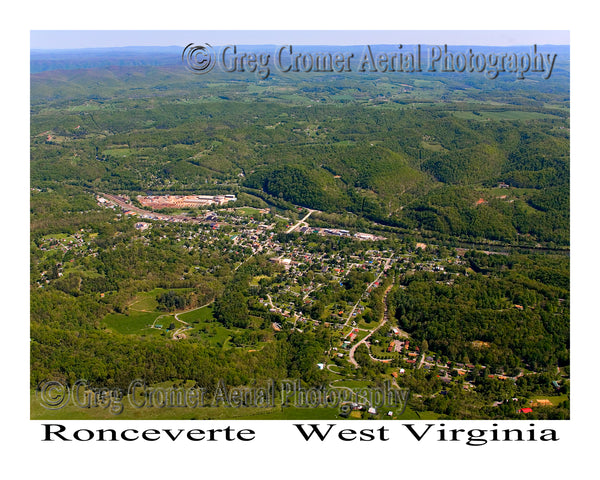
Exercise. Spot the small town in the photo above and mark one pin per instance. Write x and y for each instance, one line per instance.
(293, 293)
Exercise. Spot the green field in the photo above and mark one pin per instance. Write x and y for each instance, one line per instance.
(248, 211)
(143, 312)
(554, 399)
(256, 280)
(203, 314)
(138, 323)
(434, 147)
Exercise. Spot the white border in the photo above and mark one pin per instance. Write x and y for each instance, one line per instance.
(280, 454)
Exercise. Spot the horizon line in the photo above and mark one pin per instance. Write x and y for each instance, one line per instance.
(123, 47)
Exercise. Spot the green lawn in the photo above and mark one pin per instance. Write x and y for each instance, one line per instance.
(248, 211)
(204, 314)
(434, 147)
(353, 384)
(555, 400)
(256, 280)
(212, 333)
(118, 152)
(146, 301)
(137, 323)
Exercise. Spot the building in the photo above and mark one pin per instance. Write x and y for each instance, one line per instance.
(184, 201)
(142, 226)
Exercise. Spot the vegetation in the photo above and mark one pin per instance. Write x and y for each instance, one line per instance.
(463, 183)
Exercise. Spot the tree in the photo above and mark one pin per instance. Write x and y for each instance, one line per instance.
(231, 309)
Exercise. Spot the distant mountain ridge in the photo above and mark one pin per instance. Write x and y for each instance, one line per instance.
(68, 59)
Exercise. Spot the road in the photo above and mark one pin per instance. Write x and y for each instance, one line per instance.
(294, 227)
(381, 324)
(186, 326)
(385, 267)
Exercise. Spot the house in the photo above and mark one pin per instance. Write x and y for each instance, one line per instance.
(142, 226)
(525, 410)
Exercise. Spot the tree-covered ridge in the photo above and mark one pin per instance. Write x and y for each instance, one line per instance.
(515, 305)
(322, 161)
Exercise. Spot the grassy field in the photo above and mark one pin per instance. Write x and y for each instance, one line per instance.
(143, 312)
(256, 280)
(250, 211)
(204, 326)
(146, 301)
(434, 147)
(554, 400)
(137, 323)
(204, 314)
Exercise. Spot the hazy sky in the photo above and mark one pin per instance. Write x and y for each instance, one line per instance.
(63, 39)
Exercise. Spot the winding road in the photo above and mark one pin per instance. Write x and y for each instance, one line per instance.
(186, 326)
(381, 324)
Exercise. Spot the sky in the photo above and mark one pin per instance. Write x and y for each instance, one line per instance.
(70, 39)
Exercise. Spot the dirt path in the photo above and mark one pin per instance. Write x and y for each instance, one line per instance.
(177, 334)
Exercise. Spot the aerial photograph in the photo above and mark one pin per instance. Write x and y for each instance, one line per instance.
(319, 225)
